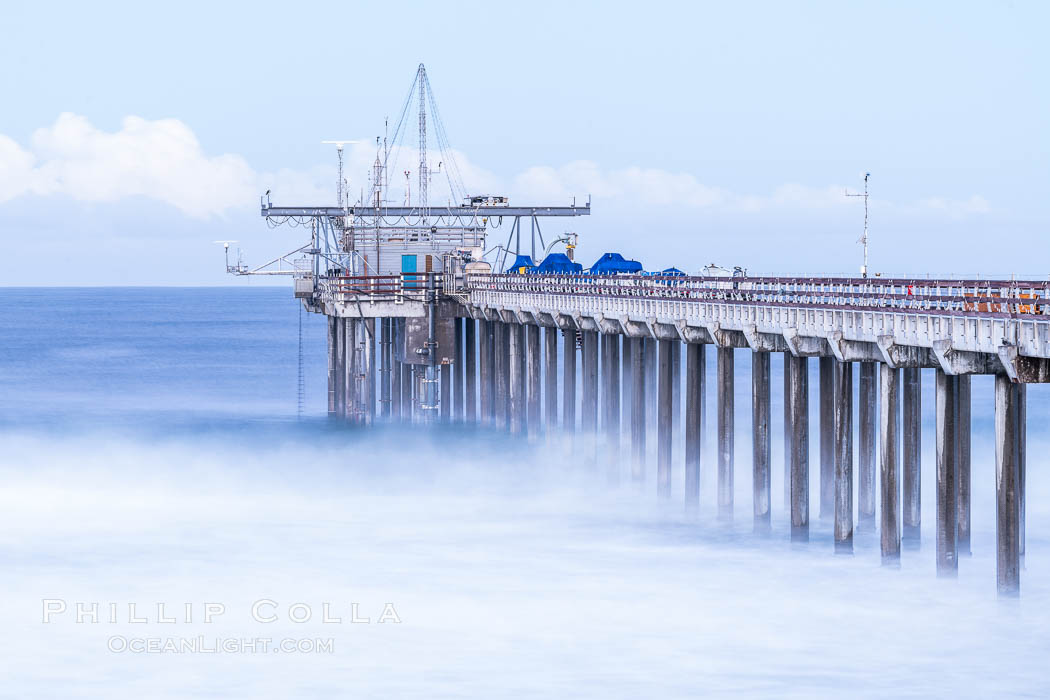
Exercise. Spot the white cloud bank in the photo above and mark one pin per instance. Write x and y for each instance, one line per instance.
(163, 160)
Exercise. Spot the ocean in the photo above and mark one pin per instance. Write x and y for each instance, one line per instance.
(172, 526)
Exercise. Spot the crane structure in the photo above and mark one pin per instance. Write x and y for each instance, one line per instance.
(406, 263)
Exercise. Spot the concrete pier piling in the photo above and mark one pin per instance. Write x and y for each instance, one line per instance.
(761, 445)
(470, 371)
(676, 401)
(445, 377)
(612, 430)
(371, 366)
(663, 427)
(501, 408)
(911, 449)
(638, 406)
(651, 381)
(962, 463)
(787, 431)
(866, 447)
(694, 388)
(408, 393)
(947, 522)
(1022, 451)
(333, 367)
(486, 378)
(1009, 436)
(515, 353)
(458, 368)
(550, 379)
(568, 382)
(798, 425)
(725, 433)
(589, 378)
(843, 419)
(395, 390)
(340, 365)
(826, 370)
(533, 375)
(385, 357)
(889, 464)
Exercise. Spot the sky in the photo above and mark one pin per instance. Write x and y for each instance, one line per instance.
(132, 137)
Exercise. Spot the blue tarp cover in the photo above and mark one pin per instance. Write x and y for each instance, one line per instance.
(520, 262)
(614, 263)
(558, 263)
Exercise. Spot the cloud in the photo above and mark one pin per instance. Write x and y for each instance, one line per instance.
(162, 160)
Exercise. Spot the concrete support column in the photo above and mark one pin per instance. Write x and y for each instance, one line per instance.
(485, 372)
(333, 372)
(568, 382)
(694, 390)
(787, 431)
(798, 426)
(517, 387)
(638, 402)
(843, 419)
(502, 375)
(676, 398)
(533, 374)
(725, 432)
(761, 445)
(550, 380)
(626, 385)
(469, 375)
(663, 424)
(911, 448)
(385, 352)
(611, 404)
(947, 499)
(962, 463)
(826, 367)
(408, 393)
(651, 380)
(340, 367)
(352, 380)
(589, 405)
(459, 367)
(370, 387)
(866, 447)
(395, 389)
(1022, 398)
(1009, 437)
(445, 376)
(889, 463)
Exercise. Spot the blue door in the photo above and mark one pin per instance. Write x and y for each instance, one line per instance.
(408, 264)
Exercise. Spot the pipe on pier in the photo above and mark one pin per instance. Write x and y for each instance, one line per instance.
(1009, 448)
(962, 463)
(911, 448)
(550, 377)
(725, 432)
(866, 447)
(843, 419)
(889, 467)
(638, 401)
(517, 385)
(568, 382)
(947, 500)
(761, 446)
(798, 426)
(663, 423)
(826, 369)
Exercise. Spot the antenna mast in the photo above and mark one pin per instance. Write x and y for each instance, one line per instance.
(864, 237)
(422, 79)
